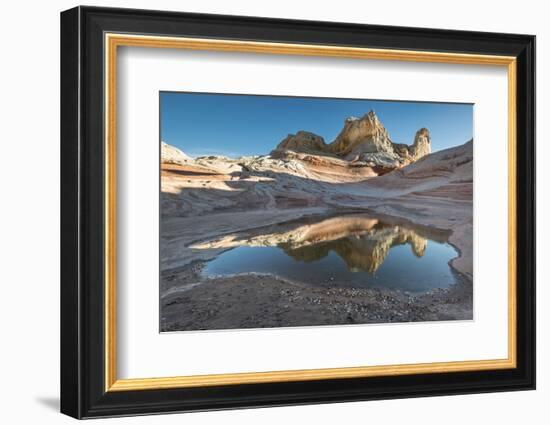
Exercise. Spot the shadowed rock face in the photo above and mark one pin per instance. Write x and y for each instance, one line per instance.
(422, 145)
(363, 242)
(303, 141)
(362, 141)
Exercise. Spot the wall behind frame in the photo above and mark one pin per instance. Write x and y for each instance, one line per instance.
(29, 219)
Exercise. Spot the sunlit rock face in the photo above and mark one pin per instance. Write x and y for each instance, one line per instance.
(362, 135)
(172, 155)
(362, 242)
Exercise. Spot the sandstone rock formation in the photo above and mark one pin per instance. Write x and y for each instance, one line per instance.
(172, 155)
(363, 142)
(422, 145)
(454, 163)
(362, 135)
(303, 141)
(207, 184)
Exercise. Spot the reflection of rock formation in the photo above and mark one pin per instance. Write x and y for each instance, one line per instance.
(364, 252)
(362, 242)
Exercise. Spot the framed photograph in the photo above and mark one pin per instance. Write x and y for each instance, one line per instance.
(261, 212)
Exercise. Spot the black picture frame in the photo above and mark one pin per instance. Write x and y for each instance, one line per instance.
(83, 392)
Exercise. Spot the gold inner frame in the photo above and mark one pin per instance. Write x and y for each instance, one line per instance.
(113, 41)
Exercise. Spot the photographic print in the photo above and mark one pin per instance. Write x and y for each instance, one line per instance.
(281, 211)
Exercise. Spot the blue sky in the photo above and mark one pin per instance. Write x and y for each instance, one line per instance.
(237, 125)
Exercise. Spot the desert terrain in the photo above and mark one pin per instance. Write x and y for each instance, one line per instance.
(307, 193)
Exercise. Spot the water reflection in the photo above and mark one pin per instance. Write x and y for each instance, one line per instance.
(356, 250)
(364, 251)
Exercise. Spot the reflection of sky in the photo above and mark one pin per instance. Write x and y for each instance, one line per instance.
(236, 125)
(401, 269)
